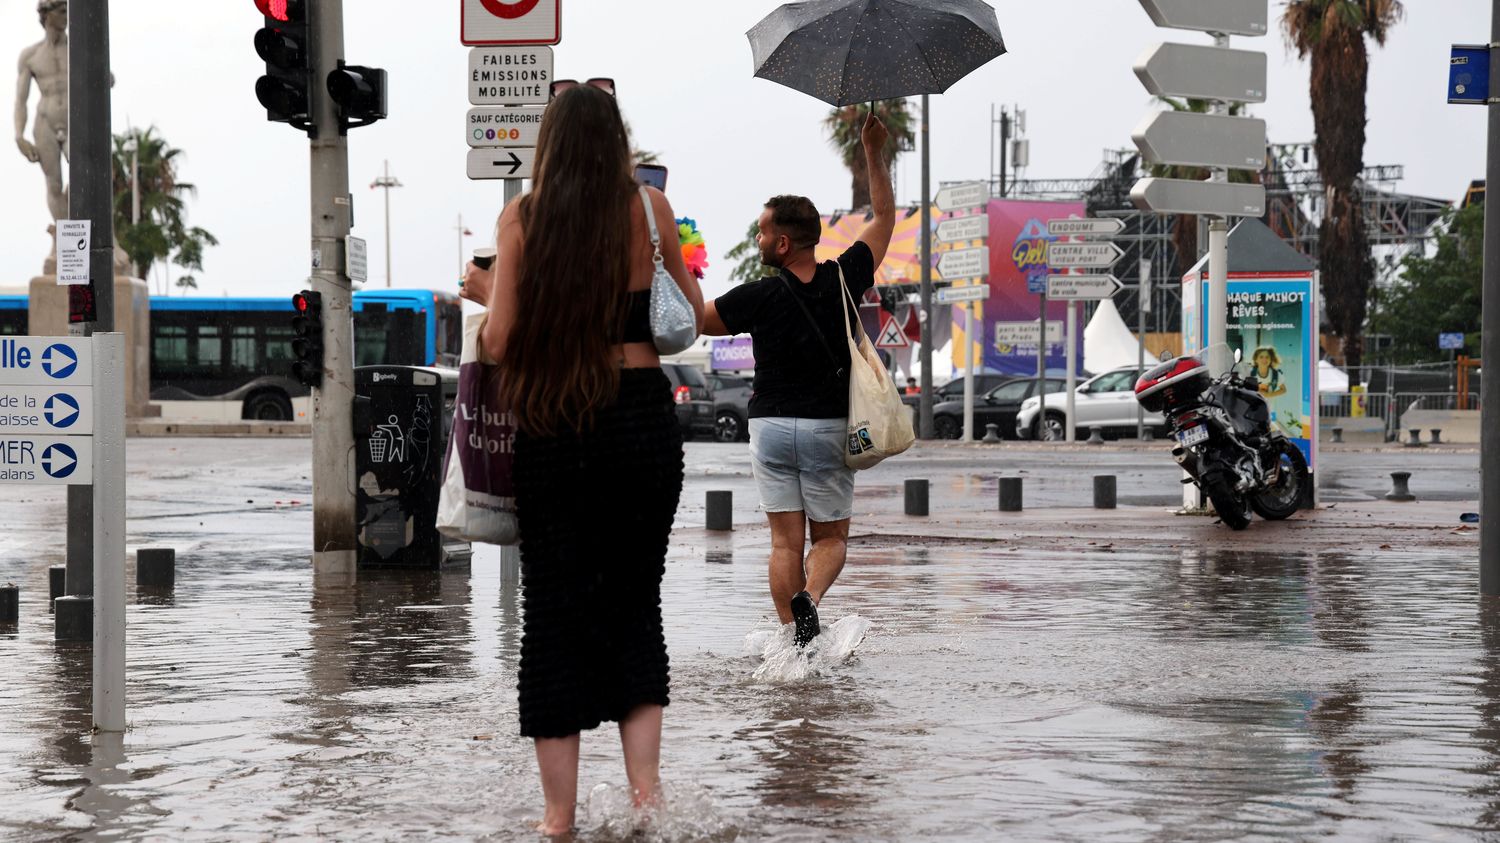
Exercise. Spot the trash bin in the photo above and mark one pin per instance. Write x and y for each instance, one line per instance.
(402, 418)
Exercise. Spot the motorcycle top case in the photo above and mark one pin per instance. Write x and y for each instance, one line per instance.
(1175, 382)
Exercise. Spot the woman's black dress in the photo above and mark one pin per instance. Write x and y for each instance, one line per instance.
(595, 512)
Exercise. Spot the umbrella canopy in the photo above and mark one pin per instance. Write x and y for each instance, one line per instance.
(849, 51)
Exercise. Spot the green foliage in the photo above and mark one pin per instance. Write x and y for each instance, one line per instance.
(162, 232)
(746, 258)
(844, 126)
(1437, 294)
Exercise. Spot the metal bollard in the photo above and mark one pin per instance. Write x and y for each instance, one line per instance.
(1416, 438)
(1010, 494)
(1096, 436)
(156, 567)
(75, 618)
(1437, 435)
(1148, 434)
(57, 581)
(10, 605)
(991, 434)
(916, 497)
(719, 510)
(1104, 490)
(1399, 490)
(1338, 434)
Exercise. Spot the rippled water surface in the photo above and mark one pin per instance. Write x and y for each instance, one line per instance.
(998, 692)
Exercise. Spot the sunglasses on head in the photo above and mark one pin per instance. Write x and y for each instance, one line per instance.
(560, 85)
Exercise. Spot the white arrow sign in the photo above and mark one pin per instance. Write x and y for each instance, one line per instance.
(956, 197)
(1228, 17)
(965, 263)
(1206, 73)
(1082, 287)
(46, 361)
(954, 295)
(501, 163)
(1088, 255)
(1202, 140)
(504, 126)
(510, 75)
(46, 460)
(1180, 196)
(962, 229)
(1106, 227)
(1025, 333)
(45, 409)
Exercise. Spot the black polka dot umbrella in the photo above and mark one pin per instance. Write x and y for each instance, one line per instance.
(849, 51)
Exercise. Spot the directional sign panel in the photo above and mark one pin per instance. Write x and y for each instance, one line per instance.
(1106, 227)
(504, 126)
(962, 229)
(965, 263)
(510, 75)
(511, 22)
(1203, 140)
(1088, 255)
(1229, 17)
(1179, 196)
(45, 409)
(1025, 333)
(1205, 73)
(1082, 287)
(956, 197)
(46, 460)
(46, 361)
(954, 295)
(501, 163)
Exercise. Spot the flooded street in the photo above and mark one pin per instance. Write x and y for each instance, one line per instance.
(1003, 690)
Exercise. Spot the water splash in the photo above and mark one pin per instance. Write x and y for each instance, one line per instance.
(783, 661)
(686, 812)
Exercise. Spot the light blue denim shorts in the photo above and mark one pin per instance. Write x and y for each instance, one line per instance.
(799, 467)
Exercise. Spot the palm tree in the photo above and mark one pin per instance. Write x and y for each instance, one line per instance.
(1333, 33)
(162, 231)
(844, 124)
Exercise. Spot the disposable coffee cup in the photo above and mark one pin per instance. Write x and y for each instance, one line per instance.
(483, 258)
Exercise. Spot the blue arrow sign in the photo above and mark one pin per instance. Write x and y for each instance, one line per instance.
(59, 461)
(59, 361)
(61, 410)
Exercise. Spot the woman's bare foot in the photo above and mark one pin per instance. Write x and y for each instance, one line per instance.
(555, 829)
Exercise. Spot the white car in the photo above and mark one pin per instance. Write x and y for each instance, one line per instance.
(1106, 400)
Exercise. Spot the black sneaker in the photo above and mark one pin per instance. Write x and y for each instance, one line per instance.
(805, 613)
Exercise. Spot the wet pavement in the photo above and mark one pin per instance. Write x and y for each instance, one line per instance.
(1061, 673)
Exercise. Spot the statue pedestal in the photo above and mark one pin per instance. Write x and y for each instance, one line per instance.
(47, 316)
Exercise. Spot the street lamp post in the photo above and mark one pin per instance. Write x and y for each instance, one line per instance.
(387, 182)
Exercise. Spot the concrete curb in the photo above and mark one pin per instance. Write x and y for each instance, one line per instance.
(157, 427)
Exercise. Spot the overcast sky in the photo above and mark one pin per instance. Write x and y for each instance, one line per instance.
(188, 67)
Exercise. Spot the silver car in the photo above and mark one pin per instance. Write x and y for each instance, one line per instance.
(1106, 401)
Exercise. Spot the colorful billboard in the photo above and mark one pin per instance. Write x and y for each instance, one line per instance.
(902, 263)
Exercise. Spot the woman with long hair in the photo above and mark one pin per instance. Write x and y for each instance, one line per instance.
(598, 456)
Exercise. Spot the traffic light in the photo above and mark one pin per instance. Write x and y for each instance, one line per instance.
(307, 345)
(286, 45)
(358, 94)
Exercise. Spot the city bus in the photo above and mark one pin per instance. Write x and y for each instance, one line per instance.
(224, 359)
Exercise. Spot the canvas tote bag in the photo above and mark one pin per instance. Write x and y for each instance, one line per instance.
(477, 500)
(879, 424)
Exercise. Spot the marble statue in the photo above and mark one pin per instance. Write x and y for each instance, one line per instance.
(46, 64)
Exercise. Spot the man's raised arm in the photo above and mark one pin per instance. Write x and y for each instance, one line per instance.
(877, 235)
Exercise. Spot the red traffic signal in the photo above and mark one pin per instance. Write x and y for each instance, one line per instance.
(282, 10)
(306, 300)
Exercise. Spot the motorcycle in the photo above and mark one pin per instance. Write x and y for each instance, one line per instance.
(1225, 440)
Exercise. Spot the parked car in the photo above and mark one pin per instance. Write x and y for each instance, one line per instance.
(998, 407)
(694, 397)
(731, 407)
(1106, 400)
(954, 390)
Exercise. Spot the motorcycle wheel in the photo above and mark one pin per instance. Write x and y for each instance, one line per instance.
(1281, 500)
(1233, 510)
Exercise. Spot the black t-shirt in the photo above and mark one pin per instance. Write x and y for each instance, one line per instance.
(794, 377)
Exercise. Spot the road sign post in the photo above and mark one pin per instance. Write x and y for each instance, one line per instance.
(1076, 288)
(957, 197)
(967, 296)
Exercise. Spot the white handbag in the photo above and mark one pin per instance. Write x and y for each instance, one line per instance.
(477, 499)
(879, 424)
(673, 326)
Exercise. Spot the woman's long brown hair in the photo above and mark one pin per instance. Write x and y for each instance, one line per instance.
(574, 269)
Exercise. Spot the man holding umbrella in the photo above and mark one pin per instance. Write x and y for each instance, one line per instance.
(801, 392)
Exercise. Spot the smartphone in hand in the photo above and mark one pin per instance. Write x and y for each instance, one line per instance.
(652, 175)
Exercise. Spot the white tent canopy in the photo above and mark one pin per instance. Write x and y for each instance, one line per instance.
(1331, 378)
(1107, 343)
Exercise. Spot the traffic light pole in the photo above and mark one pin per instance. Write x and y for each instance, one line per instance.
(333, 402)
(1489, 389)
